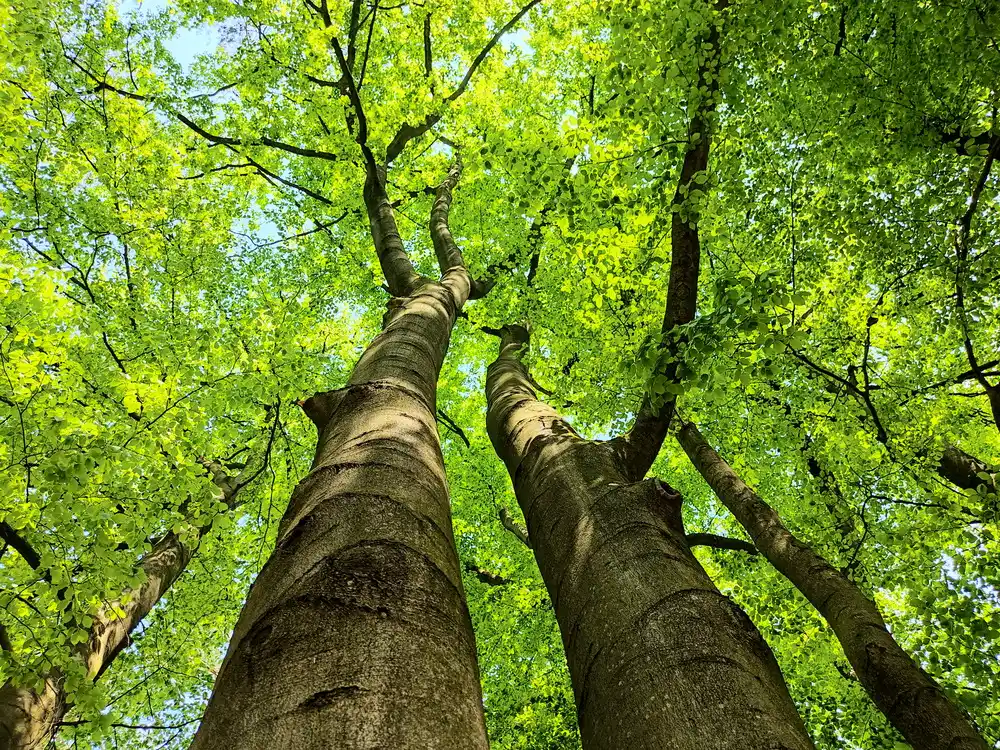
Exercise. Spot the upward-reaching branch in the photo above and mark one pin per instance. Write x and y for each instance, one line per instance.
(359, 111)
(428, 57)
(407, 132)
(962, 249)
(445, 247)
(352, 34)
(641, 445)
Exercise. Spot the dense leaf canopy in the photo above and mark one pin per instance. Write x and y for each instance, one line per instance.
(184, 255)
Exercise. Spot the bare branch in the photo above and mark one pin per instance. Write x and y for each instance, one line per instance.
(408, 132)
(352, 34)
(352, 93)
(453, 426)
(428, 58)
(514, 527)
(962, 258)
(720, 542)
(487, 49)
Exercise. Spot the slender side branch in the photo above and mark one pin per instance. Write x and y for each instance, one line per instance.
(408, 132)
(640, 446)
(428, 57)
(519, 532)
(487, 49)
(907, 695)
(453, 427)
(962, 242)
(359, 110)
(720, 542)
(352, 34)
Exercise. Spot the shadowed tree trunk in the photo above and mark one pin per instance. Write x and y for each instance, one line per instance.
(658, 657)
(29, 718)
(907, 695)
(356, 633)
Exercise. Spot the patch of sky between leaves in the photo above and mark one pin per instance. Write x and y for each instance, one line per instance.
(188, 43)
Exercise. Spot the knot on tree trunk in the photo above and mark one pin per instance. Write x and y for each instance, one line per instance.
(666, 502)
(321, 406)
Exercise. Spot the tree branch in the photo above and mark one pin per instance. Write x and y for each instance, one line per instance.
(486, 50)
(720, 542)
(639, 447)
(454, 427)
(18, 542)
(962, 240)
(519, 532)
(407, 132)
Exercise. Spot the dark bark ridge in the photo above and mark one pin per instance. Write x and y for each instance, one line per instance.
(665, 660)
(356, 633)
(911, 700)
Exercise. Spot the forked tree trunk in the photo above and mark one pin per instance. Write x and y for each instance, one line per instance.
(29, 718)
(658, 657)
(356, 633)
(911, 700)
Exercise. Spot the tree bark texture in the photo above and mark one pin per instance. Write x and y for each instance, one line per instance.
(658, 657)
(963, 470)
(910, 699)
(356, 633)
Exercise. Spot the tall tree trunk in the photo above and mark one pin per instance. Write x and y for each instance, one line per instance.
(29, 718)
(658, 657)
(907, 695)
(356, 633)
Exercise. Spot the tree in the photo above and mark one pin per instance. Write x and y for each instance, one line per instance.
(198, 169)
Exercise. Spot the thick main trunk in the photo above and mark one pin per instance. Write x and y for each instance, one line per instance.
(28, 718)
(356, 633)
(658, 657)
(907, 695)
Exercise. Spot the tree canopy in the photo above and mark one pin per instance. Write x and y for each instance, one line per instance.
(186, 257)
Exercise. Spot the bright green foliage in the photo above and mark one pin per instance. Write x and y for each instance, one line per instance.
(184, 254)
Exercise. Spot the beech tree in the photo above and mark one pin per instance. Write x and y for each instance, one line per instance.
(191, 193)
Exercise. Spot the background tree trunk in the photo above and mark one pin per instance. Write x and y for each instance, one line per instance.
(907, 695)
(29, 719)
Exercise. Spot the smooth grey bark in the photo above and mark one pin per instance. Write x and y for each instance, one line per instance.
(658, 657)
(911, 700)
(356, 633)
(28, 718)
